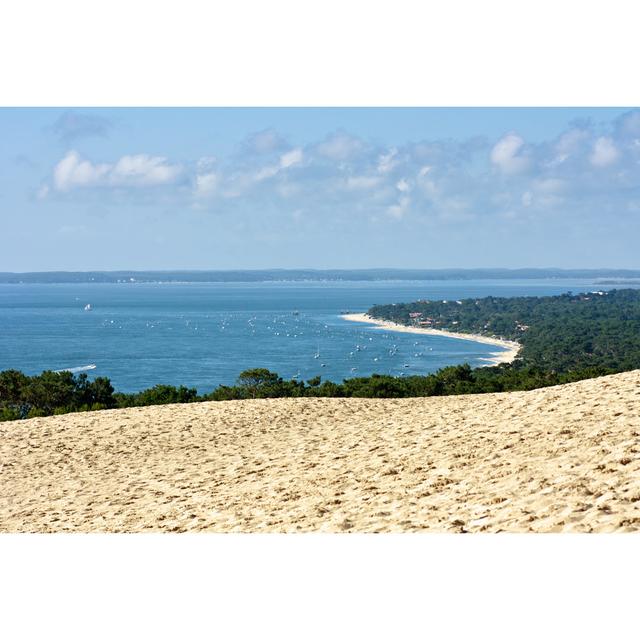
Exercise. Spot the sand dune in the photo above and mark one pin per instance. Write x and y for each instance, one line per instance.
(558, 459)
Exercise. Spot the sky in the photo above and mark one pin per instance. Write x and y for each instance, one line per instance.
(249, 188)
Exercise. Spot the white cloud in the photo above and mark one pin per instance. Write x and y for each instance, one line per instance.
(206, 184)
(287, 160)
(342, 175)
(143, 171)
(549, 185)
(72, 125)
(205, 164)
(604, 152)
(567, 145)
(427, 184)
(265, 141)
(570, 140)
(129, 171)
(291, 158)
(72, 171)
(265, 173)
(340, 146)
(400, 209)
(362, 182)
(507, 156)
(629, 123)
(387, 161)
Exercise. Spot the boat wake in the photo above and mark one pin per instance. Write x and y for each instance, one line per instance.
(86, 367)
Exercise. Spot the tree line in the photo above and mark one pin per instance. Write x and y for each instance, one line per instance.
(53, 393)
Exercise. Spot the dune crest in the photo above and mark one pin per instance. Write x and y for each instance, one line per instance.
(564, 458)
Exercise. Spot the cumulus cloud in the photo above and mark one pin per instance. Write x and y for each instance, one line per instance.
(508, 156)
(143, 170)
(341, 177)
(340, 146)
(72, 125)
(628, 124)
(568, 145)
(604, 152)
(266, 141)
(129, 171)
(206, 184)
(399, 209)
(291, 158)
(387, 161)
(265, 173)
(72, 171)
(286, 160)
(362, 182)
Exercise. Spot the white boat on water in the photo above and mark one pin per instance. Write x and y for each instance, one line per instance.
(87, 307)
(86, 367)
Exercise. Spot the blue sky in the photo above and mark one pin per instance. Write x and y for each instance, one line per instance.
(151, 188)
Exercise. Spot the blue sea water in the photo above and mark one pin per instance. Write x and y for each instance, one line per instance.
(205, 334)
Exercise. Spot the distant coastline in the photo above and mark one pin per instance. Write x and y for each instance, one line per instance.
(511, 349)
(316, 275)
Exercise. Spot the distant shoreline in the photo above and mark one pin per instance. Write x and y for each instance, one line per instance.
(318, 275)
(511, 349)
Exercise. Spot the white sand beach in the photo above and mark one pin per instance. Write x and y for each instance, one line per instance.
(560, 459)
(508, 354)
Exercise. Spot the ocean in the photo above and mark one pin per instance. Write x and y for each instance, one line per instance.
(204, 334)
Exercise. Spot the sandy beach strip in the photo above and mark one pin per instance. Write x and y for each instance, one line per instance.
(560, 459)
(508, 354)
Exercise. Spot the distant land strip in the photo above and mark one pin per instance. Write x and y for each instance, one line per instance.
(620, 276)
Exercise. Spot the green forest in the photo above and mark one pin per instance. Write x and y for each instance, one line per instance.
(564, 339)
(557, 333)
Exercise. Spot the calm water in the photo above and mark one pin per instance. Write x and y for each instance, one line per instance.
(204, 335)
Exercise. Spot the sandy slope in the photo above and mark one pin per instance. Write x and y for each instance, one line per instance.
(558, 459)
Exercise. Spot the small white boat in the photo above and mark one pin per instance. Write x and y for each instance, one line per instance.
(86, 367)
(87, 307)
